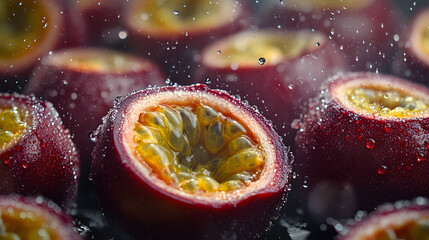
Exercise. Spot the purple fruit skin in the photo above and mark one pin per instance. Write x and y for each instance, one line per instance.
(384, 160)
(44, 161)
(65, 230)
(137, 206)
(384, 211)
(83, 97)
(279, 91)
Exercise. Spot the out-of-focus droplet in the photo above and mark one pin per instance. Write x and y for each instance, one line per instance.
(370, 143)
(261, 61)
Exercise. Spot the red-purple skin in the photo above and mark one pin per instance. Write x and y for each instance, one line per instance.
(64, 224)
(83, 97)
(419, 206)
(177, 54)
(71, 32)
(44, 160)
(382, 159)
(282, 90)
(137, 206)
(362, 34)
(409, 63)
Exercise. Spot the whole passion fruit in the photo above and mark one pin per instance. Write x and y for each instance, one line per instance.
(413, 61)
(189, 162)
(37, 156)
(369, 132)
(173, 32)
(24, 218)
(30, 29)
(401, 220)
(364, 30)
(82, 84)
(273, 70)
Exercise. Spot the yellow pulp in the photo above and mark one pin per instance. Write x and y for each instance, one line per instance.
(412, 230)
(387, 102)
(273, 48)
(11, 125)
(18, 224)
(179, 15)
(23, 24)
(335, 4)
(426, 39)
(100, 62)
(197, 149)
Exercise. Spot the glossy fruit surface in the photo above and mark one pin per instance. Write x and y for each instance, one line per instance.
(37, 156)
(401, 220)
(32, 29)
(173, 33)
(371, 132)
(364, 30)
(276, 71)
(194, 161)
(33, 219)
(82, 83)
(413, 59)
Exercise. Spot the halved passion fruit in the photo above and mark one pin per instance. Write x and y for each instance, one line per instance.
(24, 218)
(364, 30)
(37, 156)
(30, 29)
(371, 132)
(82, 84)
(401, 220)
(273, 70)
(189, 162)
(173, 32)
(413, 61)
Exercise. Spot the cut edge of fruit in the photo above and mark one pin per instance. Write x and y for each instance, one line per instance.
(229, 10)
(339, 91)
(50, 39)
(419, 36)
(95, 60)
(214, 55)
(268, 174)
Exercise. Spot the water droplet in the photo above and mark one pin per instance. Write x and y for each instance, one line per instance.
(261, 61)
(281, 2)
(382, 170)
(370, 143)
(420, 159)
(318, 44)
(290, 86)
(92, 136)
(360, 136)
(175, 12)
(24, 165)
(219, 52)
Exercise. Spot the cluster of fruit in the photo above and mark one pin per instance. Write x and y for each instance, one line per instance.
(172, 154)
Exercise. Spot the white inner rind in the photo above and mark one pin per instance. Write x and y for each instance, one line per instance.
(97, 60)
(266, 182)
(392, 221)
(213, 58)
(139, 21)
(339, 91)
(418, 28)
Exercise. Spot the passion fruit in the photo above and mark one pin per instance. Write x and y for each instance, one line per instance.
(370, 132)
(401, 220)
(272, 70)
(30, 29)
(413, 61)
(82, 84)
(173, 32)
(189, 162)
(34, 219)
(364, 30)
(37, 156)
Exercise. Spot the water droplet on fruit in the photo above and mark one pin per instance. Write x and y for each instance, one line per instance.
(420, 159)
(382, 170)
(370, 143)
(261, 61)
(219, 52)
(24, 165)
(175, 12)
(318, 44)
(92, 136)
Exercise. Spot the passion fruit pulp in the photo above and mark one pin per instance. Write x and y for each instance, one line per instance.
(272, 70)
(36, 153)
(191, 156)
(368, 131)
(401, 220)
(82, 84)
(33, 219)
(30, 30)
(173, 33)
